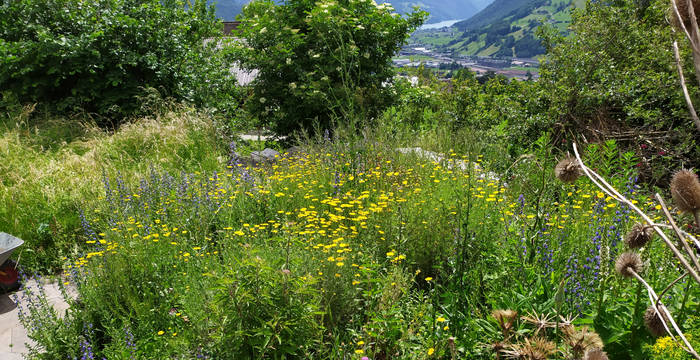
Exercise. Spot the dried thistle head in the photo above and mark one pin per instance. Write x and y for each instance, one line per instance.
(685, 14)
(505, 318)
(568, 170)
(639, 236)
(542, 346)
(583, 340)
(514, 351)
(653, 322)
(566, 325)
(539, 321)
(498, 347)
(595, 354)
(537, 348)
(685, 190)
(628, 263)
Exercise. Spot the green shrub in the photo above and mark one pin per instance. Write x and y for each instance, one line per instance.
(98, 56)
(320, 61)
(615, 77)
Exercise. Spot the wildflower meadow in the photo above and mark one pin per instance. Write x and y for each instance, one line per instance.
(339, 253)
(307, 182)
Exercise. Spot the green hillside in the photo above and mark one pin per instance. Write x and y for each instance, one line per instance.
(506, 28)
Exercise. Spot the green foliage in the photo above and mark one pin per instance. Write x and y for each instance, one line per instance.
(615, 77)
(505, 28)
(98, 56)
(667, 349)
(320, 61)
(54, 166)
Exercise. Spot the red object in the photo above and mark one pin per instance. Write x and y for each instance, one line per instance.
(9, 277)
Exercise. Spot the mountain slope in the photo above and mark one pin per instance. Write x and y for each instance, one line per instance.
(495, 11)
(506, 28)
(439, 10)
(228, 9)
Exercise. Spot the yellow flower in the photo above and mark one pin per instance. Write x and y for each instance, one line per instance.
(359, 351)
(161, 332)
(428, 279)
(441, 319)
(431, 351)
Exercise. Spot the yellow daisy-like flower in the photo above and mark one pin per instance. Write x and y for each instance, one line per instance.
(431, 351)
(441, 319)
(161, 332)
(429, 279)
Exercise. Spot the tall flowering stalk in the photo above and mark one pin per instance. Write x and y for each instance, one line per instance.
(629, 264)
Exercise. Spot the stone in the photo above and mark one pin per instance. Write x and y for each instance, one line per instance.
(266, 156)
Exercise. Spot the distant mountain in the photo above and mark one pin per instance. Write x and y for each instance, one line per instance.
(505, 28)
(498, 10)
(439, 10)
(228, 9)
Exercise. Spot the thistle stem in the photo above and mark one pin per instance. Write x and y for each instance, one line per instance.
(668, 318)
(687, 248)
(610, 190)
(669, 287)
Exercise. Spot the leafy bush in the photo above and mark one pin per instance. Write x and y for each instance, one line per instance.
(615, 77)
(320, 61)
(97, 56)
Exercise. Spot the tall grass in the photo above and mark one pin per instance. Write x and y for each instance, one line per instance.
(345, 251)
(52, 168)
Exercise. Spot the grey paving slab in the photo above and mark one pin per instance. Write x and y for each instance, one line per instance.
(13, 336)
(10, 356)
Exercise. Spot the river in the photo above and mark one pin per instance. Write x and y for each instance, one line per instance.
(441, 24)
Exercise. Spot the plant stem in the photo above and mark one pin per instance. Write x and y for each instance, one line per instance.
(633, 328)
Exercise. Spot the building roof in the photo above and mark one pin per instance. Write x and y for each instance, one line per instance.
(231, 27)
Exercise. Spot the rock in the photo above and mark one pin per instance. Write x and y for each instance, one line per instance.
(450, 163)
(266, 156)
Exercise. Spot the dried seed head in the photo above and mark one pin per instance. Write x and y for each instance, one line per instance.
(595, 354)
(532, 349)
(685, 189)
(583, 340)
(639, 236)
(685, 15)
(497, 347)
(505, 318)
(543, 346)
(568, 170)
(653, 322)
(627, 263)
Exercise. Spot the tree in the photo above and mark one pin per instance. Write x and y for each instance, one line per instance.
(97, 56)
(615, 77)
(320, 60)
